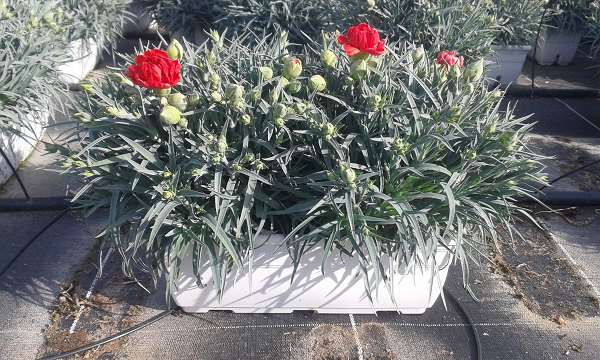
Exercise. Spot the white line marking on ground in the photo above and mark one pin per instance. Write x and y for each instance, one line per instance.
(578, 114)
(88, 294)
(358, 345)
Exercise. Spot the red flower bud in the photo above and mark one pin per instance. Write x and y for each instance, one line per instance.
(362, 38)
(154, 70)
(449, 58)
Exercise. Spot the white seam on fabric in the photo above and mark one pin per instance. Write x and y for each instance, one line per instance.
(88, 294)
(578, 114)
(356, 337)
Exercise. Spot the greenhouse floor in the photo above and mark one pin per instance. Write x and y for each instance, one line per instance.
(538, 300)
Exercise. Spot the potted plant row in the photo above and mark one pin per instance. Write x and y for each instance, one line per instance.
(517, 26)
(559, 39)
(255, 176)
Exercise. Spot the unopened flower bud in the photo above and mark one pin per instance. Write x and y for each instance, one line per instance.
(248, 158)
(255, 95)
(239, 105)
(121, 79)
(113, 111)
(83, 117)
(454, 72)
(86, 86)
(283, 82)
(471, 155)
(371, 4)
(279, 111)
(237, 167)
(260, 166)
(170, 115)
(183, 123)
(266, 73)
(317, 83)
(163, 92)
(279, 122)
(178, 100)
(375, 101)
(175, 50)
(292, 68)
(474, 71)
(299, 108)
(359, 69)
(274, 96)
(348, 175)
(245, 119)
(194, 100)
(418, 54)
(222, 145)
(234, 92)
(294, 87)
(215, 80)
(168, 195)
(166, 174)
(400, 146)
(328, 58)
(216, 97)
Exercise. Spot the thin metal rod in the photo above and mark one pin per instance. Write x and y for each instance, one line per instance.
(15, 173)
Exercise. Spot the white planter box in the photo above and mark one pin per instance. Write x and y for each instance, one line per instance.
(340, 290)
(19, 148)
(556, 46)
(85, 55)
(506, 63)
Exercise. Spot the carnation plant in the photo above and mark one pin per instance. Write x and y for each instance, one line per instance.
(362, 149)
(517, 21)
(101, 20)
(31, 48)
(568, 15)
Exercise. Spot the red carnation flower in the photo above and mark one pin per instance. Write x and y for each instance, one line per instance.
(449, 58)
(362, 38)
(154, 70)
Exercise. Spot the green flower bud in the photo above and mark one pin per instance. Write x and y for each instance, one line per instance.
(329, 59)
(222, 145)
(234, 92)
(83, 117)
(418, 54)
(255, 95)
(215, 80)
(170, 115)
(375, 101)
(166, 174)
(511, 183)
(474, 71)
(266, 73)
(497, 93)
(371, 4)
(274, 96)
(215, 36)
(348, 175)
(331, 176)
(175, 50)
(279, 122)
(34, 22)
(216, 97)
(216, 159)
(237, 167)
(292, 68)
(260, 166)
(490, 130)
(211, 58)
(178, 100)
(359, 69)
(471, 155)
(86, 86)
(294, 87)
(317, 83)
(299, 108)
(87, 174)
(245, 119)
(400, 146)
(508, 141)
(239, 105)
(454, 72)
(121, 79)
(328, 130)
(113, 111)
(183, 123)
(168, 195)
(197, 172)
(194, 100)
(248, 158)
(279, 111)
(283, 82)
(162, 92)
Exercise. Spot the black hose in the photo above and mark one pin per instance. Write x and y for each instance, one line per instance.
(567, 174)
(474, 331)
(31, 241)
(114, 337)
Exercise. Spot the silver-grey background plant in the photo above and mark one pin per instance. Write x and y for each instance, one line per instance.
(31, 49)
(517, 21)
(568, 15)
(393, 159)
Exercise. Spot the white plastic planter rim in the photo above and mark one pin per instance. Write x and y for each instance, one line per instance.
(506, 64)
(19, 148)
(340, 290)
(85, 55)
